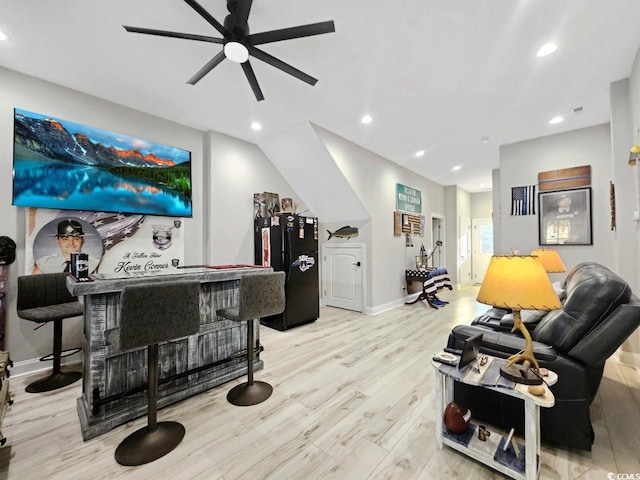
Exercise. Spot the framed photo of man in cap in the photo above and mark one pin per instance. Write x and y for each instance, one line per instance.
(58, 239)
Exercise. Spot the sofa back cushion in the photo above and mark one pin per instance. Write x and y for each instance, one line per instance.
(593, 292)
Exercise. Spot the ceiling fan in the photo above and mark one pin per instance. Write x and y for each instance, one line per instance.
(239, 44)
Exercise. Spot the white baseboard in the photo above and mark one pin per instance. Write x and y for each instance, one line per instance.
(628, 358)
(34, 365)
(385, 307)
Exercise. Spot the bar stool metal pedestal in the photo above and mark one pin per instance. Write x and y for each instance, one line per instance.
(261, 295)
(44, 298)
(149, 314)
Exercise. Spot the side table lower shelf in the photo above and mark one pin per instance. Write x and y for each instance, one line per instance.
(490, 451)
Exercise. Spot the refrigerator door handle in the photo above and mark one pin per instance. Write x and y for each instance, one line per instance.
(286, 256)
(287, 269)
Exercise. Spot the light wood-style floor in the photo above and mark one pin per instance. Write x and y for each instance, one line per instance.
(353, 399)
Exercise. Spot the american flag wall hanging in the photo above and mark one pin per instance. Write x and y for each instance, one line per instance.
(523, 200)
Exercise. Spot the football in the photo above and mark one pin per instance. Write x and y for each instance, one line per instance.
(457, 417)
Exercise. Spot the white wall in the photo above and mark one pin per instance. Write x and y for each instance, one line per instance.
(626, 233)
(237, 170)
(519, 166)
(373, 179)
(634, 100)
(458, 205)
(21, 91)
(496, 196)
(303, 160)
(629, 247)
(482, 204)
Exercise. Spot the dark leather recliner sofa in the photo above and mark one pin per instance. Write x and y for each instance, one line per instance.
(599, 313)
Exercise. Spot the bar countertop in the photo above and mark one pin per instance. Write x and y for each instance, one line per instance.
(114, 282)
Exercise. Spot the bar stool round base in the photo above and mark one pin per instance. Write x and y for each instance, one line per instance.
(53, 382)
(143, 446)
(247, 394)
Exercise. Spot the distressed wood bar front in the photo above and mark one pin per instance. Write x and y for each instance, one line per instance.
(113, 381)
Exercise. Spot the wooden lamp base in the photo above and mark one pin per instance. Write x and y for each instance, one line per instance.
(517, 373)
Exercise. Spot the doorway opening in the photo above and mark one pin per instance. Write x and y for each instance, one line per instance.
(437, 235)
(482, 239)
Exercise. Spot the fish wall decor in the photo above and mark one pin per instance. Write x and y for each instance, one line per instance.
(344, 232)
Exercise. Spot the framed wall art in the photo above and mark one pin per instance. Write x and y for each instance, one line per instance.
(565, 217)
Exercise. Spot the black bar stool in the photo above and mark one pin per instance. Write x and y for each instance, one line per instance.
(149, 314)
(261, 295)
(45, 298)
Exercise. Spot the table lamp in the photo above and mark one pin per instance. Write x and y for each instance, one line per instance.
(550, 259)
(519, 282)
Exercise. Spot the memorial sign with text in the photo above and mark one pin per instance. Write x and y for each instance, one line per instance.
(408, 199)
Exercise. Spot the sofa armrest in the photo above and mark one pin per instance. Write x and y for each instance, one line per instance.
(603, 340)
(492, 318)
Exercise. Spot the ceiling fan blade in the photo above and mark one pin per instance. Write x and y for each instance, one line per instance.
(207, 16)
(165, 33)
(211, 64)
(285, 67)
(292, 32)
(253, 81)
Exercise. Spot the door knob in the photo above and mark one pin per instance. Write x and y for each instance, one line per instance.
(357, 264)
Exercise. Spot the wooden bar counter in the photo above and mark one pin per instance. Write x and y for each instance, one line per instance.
(113, 382)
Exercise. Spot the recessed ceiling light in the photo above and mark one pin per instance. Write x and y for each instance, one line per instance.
(256, 126)
(547, 49)
(456, 168)
(556, 120)
(366, 119)
(3, 36)
(419, 153)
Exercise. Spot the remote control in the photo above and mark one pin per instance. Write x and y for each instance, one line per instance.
(446, 362)
(453, 350)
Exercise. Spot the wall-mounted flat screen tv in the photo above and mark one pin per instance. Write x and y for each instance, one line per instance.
(65, 165)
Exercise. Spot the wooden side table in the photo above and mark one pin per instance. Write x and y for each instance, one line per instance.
(490, 452)
(432, 281)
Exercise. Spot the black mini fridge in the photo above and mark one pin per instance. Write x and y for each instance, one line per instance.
(289, 243)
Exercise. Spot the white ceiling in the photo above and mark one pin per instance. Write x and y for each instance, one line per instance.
(436, 75)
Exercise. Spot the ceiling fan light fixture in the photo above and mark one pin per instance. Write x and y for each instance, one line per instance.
(547, 49)
(236, 52)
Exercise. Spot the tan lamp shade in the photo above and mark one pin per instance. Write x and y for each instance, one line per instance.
(550, 259)
(634, 154)
(517, 282)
